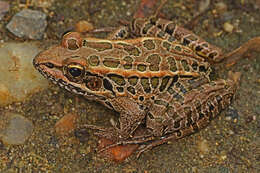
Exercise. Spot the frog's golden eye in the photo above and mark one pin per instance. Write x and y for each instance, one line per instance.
(74, 72)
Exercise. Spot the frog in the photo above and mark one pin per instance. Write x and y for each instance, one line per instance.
(154, 73)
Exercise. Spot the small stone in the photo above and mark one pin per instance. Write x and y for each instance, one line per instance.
(82, 135)
(17, 129)
(203, 5)
(221, 7)
(232, 114)
(228, 27)
(203, 147)
(118, 153)
(4, 7)
(18, 77)
(66, 124)
(28, 23)
(231, 132)
(83, 26)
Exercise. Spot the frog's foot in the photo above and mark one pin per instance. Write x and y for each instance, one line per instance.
(235, 55)
(132, 141)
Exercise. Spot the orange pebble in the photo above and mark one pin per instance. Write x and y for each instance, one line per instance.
(83, 26)
(118, 153)
(66, 124)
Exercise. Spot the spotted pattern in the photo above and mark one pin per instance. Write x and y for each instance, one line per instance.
(133, 80)
(145, 84)
(130, 49)
(128, 62)
(111, 62)
(154, 61)
(157, 27)
(141, 67)
(93, 83)
(93, 60)
(165, 79)
(149, 44)
(172, 63)
(99, 46)
(119, 80)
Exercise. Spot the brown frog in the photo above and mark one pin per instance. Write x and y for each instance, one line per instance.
(153, 72)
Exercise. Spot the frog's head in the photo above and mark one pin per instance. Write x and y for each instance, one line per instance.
(67, 66)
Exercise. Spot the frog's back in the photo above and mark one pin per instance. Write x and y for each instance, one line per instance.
(112, 68)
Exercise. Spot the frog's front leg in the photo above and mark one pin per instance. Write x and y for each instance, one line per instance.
(131, 116)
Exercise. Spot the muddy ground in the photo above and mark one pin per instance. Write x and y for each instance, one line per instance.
(231, 143)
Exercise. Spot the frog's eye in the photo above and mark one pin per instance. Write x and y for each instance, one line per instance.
(74, 72)
(72, 41)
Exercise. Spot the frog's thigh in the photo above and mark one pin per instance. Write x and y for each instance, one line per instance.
(200, 105)
(169, 31)
(163, 110)
(195, 112)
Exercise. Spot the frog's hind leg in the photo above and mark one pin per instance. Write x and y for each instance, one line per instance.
(232, 57)
(170, 31)
(199, 107)
(119, 33)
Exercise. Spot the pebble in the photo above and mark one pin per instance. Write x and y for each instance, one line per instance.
(221, 7)
(18, 77)
(17, 129)
(28, 24)
(203, 147)
(82, 135)
(4, 7)
(83, 26)
(66, 124)
(232, 114)
(204, 5)
(228, 27)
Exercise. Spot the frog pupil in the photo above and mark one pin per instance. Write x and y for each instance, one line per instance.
(75, 72)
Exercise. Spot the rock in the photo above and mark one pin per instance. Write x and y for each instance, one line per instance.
(83, 26)
(17, 74)
(228, 27)
(232, 114)
(82, 135)
(203, 147)
(28, 23)
(221, 7)
(117, 153)
(4, 7)
(17, 129)
(204, 5)
(66, 124)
